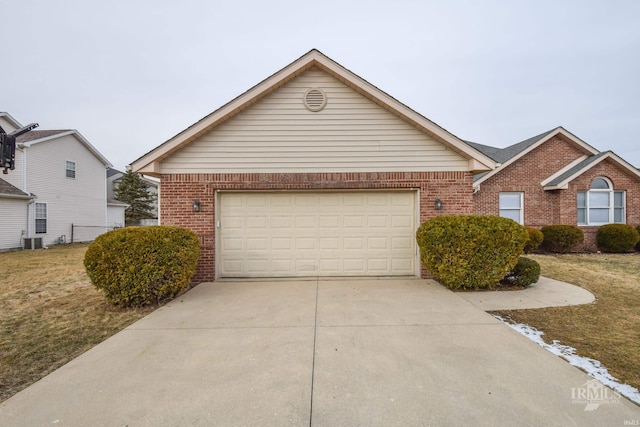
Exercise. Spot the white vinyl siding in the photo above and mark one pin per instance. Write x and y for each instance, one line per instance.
(279, 135)
(357, 233)
(69, 201)
(511, 206)
(13, 224)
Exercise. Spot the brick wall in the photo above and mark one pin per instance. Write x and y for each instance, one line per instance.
(178, 191)
(558, 206)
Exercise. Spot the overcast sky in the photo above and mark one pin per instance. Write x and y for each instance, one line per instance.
(130, 74)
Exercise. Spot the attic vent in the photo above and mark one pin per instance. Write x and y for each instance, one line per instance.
(315, 100)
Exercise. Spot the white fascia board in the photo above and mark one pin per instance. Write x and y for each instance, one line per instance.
(10, 119)
(558, 131)
(313, 58)
(80, 138)
(563, 170)
(609, 155)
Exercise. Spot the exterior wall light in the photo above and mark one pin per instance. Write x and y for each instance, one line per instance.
(438, 205)
(196, 206)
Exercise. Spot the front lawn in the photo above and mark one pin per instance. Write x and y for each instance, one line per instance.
(607, 330)
(50, 313)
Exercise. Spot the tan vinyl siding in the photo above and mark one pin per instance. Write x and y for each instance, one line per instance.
(278, 134)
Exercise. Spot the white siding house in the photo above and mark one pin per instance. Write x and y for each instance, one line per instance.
(65, 178)
(114, 177)
(14, 205)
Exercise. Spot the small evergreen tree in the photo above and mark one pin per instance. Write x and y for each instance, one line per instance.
(134, 191)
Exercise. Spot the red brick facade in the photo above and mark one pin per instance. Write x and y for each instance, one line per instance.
(178, 191)
(557, 206)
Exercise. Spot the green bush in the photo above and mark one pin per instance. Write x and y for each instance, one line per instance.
(137, 266)
(617, 238)
(470, 251)
(526, 272)
(535, 239)
(561, 238)
(638, 245)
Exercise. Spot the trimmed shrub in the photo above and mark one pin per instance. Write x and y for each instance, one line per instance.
(525, 273)
(617, 238)
(138, 266)
(470, 251)
(561, 238)
(638, 245)
(535, 239)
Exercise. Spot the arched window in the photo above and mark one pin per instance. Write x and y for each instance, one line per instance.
(601, 204)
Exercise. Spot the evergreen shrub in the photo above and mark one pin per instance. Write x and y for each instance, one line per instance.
(525, 273)
(561, 238)
(470, 251)
(138, 266)
(535, 239)
(617, 238)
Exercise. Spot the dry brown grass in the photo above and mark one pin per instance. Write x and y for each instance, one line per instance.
(49, 314)
(607, 330)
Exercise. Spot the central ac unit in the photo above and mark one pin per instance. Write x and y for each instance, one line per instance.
(32, 243)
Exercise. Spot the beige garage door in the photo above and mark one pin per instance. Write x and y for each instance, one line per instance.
(295, 234)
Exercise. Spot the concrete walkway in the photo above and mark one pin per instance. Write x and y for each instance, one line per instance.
(363, 352)
(546, 293)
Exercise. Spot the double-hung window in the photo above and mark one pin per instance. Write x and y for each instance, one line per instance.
(511, 206)
(41, 218)
(70, 169)
(601, 204)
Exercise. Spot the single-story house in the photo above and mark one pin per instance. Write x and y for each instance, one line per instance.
(556, 178)
(312, 172)
(315, 172)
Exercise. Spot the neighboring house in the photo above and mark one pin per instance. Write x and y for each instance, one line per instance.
(113, 180)
(66, 177)
(14, 205)
(316, 172)
(313, 172)
(556, 178)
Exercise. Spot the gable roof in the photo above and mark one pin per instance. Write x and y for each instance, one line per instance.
(562, 181)
(150, 162)
(10, 119)
(8, 191)
(508, 155)
(40, 136)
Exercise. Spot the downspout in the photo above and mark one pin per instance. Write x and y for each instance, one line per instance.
(106, 200)
(24, 167)
(31, 203)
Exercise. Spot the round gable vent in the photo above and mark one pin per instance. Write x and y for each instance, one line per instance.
(315, 100)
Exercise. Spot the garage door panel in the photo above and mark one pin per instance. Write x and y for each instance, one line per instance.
(317, 233)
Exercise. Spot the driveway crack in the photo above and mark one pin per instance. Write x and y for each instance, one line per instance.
(313, 363)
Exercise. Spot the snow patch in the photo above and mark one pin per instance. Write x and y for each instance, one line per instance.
(592, 367)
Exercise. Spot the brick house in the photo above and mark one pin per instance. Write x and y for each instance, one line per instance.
(316, 172)
(556, 178)
(312, 172)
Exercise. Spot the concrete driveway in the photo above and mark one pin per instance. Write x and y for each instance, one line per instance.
(321, 353)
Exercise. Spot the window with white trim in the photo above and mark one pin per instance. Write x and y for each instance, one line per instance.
(601, 204)
(70, 169)
(511, 206)
(41, 218)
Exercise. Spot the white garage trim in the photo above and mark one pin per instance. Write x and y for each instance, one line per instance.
(316, 233)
